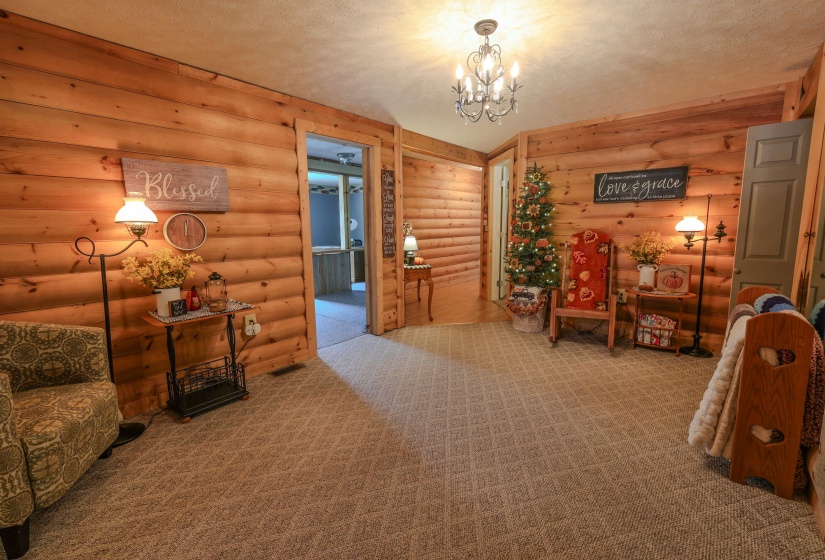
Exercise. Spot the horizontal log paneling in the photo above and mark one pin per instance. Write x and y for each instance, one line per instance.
(41, 259)
(53, 125)
(708, 136)
(430, 146)
(30, 157)
(71, 107)
(28, 191)
(58, 92)
(443, 203)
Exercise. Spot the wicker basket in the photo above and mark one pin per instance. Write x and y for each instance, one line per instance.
(530, 323)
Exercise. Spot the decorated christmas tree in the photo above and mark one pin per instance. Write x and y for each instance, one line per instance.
(531, 256)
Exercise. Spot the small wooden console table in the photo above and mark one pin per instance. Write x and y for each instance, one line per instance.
(204, 386)
(677, 331)
(421, 272)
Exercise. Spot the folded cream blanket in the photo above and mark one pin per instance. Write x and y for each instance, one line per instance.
(703, 427)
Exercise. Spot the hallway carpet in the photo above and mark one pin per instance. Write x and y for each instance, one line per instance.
(462, 441)
(340, 316)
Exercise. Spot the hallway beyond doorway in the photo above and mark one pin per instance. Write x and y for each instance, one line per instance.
(341, 316)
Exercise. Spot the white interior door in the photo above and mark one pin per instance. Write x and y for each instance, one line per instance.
(773, 184)
(500, 174)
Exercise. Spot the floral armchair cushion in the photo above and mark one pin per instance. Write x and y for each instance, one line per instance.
(36, 355)
(587, 286)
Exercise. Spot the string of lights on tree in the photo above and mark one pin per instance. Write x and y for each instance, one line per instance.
(531, 256)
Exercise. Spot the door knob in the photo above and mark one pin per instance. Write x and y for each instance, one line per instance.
(737, 271)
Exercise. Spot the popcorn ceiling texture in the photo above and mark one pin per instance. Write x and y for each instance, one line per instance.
(394, 60)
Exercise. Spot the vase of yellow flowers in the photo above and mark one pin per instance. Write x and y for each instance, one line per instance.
(165, 272)
(648, 250)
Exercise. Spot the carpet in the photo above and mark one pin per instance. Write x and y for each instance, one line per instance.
(340, 316)
(435, 442)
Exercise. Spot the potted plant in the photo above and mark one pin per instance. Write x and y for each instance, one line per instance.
(165, 272)
(648, 250)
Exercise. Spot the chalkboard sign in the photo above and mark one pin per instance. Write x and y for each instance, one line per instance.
(177, 186)
(177, 307)
(388, 211)
(641, 186)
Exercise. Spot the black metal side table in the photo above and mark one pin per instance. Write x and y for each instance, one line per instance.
(202, 387)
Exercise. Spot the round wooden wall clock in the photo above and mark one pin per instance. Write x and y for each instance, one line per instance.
(184, 231)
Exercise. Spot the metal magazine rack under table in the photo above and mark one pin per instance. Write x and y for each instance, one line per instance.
(673, 346)
(202, 387)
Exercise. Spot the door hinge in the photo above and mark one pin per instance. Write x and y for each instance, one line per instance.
(498, 283)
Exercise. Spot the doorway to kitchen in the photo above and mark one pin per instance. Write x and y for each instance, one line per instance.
(336, 199)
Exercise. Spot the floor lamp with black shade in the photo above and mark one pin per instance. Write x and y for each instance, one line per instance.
(137, 217)
(689, 227)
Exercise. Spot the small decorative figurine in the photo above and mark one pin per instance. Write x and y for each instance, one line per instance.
(193, 299)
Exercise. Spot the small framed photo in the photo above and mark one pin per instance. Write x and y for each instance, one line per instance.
(673, 278)
(177, 307)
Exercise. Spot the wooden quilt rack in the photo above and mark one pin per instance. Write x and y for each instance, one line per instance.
(771, 396)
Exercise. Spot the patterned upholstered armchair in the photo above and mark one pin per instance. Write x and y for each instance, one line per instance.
(58, 414)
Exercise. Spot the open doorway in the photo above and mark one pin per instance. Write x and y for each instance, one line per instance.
(336, 200)
(443, 210)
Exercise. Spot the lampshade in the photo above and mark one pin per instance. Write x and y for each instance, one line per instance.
(690, 224)
(135, 214)
(410, 243)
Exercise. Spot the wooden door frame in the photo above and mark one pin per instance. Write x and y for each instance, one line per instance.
(371, 169)
(489, 234)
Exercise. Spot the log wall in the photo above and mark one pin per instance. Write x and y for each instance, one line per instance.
(70, 107)
(707, 135)
(443, 202)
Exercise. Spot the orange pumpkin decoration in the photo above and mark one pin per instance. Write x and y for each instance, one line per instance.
(674, 282)
(418, 260)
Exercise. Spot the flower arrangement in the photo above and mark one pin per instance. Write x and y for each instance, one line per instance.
(163, 269)
(648, 248)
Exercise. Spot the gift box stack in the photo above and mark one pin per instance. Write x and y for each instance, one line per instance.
(655, 329)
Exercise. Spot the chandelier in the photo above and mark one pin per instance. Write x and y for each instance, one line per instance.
(486, 95)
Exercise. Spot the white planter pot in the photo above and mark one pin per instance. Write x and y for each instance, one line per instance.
(162, 298)
(647, 274)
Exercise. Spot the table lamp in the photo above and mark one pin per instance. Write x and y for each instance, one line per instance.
(410, 247)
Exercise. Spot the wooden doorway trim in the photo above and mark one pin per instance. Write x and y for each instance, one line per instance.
(371, 169)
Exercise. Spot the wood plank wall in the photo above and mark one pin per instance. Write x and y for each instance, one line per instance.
(70, 107)
(443, 202)
(708, 135)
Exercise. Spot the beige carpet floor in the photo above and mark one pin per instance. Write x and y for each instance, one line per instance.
(466, 441)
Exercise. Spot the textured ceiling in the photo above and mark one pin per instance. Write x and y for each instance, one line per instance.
(394, 60)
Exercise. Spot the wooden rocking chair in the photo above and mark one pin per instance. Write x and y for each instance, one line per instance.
(586, 283)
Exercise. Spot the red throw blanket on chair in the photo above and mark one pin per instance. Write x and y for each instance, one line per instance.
(587, 287)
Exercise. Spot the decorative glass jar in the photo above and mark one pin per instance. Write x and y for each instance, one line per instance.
(216, 292)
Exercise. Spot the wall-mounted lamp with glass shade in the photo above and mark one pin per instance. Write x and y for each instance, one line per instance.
(410, 247)
(137, 217)
(689, 227)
